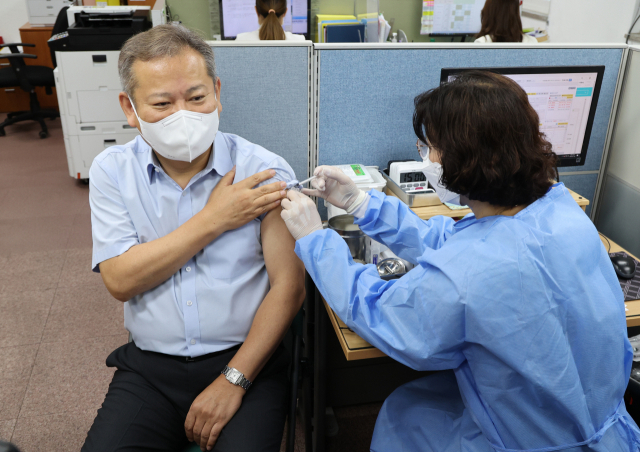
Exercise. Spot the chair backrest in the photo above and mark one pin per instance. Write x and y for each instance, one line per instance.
(62, 24)
(18, 67)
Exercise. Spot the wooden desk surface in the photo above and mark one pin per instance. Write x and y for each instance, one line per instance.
(354, 347)
(427, 212)
(44, 28)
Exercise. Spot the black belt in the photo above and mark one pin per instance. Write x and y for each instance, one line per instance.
(190, 359)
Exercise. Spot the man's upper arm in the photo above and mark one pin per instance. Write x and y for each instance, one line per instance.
(284, 173)
(111, 225)
(283, 266)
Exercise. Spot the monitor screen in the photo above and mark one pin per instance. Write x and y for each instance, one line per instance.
(451, 17)
(565, 99)
(239, 16)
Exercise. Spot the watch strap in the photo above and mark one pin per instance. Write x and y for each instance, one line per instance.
(242, 381)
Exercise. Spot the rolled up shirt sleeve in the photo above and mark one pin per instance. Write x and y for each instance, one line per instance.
(111, 225)
(284, 173)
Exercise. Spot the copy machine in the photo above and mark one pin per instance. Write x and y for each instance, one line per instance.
(87, 82)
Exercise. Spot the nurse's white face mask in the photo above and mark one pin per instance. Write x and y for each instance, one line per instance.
(183, 135)
(433, 173)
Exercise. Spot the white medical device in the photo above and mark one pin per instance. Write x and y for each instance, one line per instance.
(358, 173)
(409, 176)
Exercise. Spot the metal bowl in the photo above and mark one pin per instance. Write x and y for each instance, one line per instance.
(351, 233)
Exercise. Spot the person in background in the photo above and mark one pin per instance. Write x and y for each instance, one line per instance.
(270, 17)
(501, 23)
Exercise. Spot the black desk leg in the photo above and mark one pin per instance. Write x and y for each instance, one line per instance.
(319, 373)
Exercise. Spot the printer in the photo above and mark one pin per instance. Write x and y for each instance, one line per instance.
(105, 30)
(87, 80)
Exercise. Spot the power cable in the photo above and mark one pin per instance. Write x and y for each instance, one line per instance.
(632, 25)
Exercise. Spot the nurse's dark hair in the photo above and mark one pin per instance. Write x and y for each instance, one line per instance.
(500, 19)
(159, 42)
(271, 10)
(488, 139)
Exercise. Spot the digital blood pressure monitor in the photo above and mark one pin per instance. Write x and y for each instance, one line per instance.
(409, 176)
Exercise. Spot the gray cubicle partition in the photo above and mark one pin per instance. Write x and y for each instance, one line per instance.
(366, 94)
(265, 96)
(618, 216)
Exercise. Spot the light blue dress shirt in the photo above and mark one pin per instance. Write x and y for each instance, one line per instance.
(210, 303)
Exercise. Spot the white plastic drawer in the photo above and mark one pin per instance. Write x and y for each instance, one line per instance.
(90, 71)
(42, 20)
(92, 145)
(95, 106)
(106, 128)
(46, 7)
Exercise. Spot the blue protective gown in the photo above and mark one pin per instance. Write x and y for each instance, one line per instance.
(524, 315)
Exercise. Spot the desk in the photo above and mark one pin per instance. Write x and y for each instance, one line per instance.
(431, 211)
(353, 346)
(633, 306)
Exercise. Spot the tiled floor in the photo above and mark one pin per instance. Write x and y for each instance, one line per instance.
(58, 323)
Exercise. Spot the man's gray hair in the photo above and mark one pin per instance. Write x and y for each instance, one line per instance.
(159, 42)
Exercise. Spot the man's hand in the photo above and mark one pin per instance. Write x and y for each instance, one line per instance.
(211, 410)
(233, 205)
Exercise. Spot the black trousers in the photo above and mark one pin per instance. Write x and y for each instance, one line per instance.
(151, 393)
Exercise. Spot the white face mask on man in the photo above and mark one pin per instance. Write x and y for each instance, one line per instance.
(183, 135)
(433, 173)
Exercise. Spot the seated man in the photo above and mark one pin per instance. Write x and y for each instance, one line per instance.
(206, 268)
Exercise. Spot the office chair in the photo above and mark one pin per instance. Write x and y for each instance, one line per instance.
(27, 78)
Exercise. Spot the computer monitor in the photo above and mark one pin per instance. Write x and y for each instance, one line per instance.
(239, 16)
(565, 98)
(451, 17)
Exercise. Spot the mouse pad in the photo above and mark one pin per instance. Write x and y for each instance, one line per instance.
(630, 287)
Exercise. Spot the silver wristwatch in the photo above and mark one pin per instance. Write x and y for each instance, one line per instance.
(236, 377)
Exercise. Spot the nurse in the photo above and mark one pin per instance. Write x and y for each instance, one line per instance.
(517, 305)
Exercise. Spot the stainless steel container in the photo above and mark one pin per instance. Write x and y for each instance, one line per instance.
(391, 266)
(351, 233)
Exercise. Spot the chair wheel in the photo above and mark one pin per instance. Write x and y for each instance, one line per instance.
(43, 134)
(85, 181)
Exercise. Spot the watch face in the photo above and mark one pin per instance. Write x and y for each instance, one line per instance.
(234, 376)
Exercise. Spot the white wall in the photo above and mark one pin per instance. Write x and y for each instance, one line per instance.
(13, 15)
(591, 20)
(624, 158)
(535, 23)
